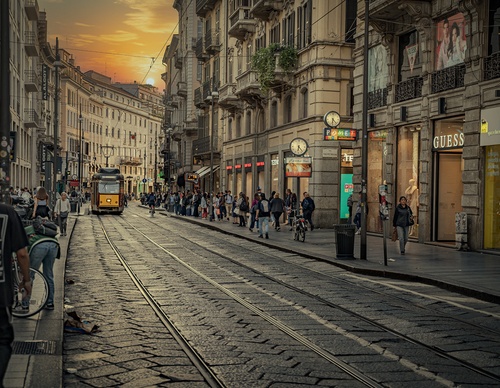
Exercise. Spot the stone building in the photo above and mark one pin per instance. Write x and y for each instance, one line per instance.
(247, 120)
(433, 114)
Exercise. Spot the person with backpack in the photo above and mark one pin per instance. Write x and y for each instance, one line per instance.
(277, 208)
(307, 209)
(61, 211)
(41, 207)
(43, 250)
(262, 215)
(242, 205)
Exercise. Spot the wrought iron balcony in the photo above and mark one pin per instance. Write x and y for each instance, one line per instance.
(206, 90)
(31, 118)
(182, 89)
(492, 67)
(200, 50)
(228, 98)
(204, 6)
(31, 81)
(202, 146)
(198, 100)
(377, 98)
(30, 44)
(447, 79)
(31, 9)
(212, 42)
(241, 23)
(262, 9)
(409, 89)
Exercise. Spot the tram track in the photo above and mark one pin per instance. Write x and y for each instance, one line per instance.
(292, 333)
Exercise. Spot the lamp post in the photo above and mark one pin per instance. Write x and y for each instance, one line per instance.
(145, 173)
(156, 162)
(213, 96)
(57, 65)
(168, 133)
(107, 151)
(80, 121)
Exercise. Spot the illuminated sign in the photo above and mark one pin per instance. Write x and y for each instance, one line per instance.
(192, 177)
(339, 134)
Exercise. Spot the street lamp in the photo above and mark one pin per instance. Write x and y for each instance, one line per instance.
(156, 161)
(80, 121)
(107, 151)
(213, 97)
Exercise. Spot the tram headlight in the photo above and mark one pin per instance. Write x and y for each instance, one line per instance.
(108, 200)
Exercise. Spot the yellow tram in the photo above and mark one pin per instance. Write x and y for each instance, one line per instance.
(107, 194)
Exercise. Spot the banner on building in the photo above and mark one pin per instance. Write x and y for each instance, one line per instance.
(298, 167)
(45, 82)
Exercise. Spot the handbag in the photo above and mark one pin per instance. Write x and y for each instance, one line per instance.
(411, 221)
(394, 234)
(63, 214)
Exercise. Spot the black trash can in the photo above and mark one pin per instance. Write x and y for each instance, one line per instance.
(73, 204)
(344, 237)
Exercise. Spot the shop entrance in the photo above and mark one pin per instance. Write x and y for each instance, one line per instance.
(448, 189)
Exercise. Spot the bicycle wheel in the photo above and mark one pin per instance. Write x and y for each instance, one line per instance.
(37, 300)
(302, 234)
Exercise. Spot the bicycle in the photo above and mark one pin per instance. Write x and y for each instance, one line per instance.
(299, 226)
(24, 307)
(151, 210)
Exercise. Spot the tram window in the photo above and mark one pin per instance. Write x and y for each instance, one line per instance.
(109, 187)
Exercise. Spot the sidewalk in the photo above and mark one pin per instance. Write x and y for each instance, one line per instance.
(473, 274)
(37, 359)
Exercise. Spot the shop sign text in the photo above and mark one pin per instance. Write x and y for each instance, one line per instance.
(448, 141)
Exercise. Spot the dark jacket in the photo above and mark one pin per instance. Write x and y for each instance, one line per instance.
(308, 205)
(402, 216)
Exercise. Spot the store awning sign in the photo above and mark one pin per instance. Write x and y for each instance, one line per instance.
(339, 134)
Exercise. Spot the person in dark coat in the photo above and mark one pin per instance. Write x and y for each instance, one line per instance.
(401, 222)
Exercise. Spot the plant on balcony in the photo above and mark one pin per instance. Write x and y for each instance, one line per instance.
(265, 60)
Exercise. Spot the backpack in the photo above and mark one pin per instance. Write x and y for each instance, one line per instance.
(244, 206)
(349, 201)
(44, 227)
(264, 206)
(35, 238)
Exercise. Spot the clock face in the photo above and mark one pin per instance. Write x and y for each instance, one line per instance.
(298, 146)
(332, 119)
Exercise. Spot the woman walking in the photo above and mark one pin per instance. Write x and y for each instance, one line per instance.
(402, 220)
(61, 211)
(277, 208)
(41, 207)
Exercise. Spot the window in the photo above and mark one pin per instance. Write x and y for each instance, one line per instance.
(260, 42)
(248, 123)
(494, 39)
(304, 102)
(287, 117)
(274, 114)
(275, 34)
(238, 127)
(409, 56)
(230, 129)
(289, 30)
(350, 20)
(305, 24)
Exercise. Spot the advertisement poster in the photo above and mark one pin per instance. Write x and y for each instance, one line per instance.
(298, 167)
(346, 187)
(451, 44)
(378, 71)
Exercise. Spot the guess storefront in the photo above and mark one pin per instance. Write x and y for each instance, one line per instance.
(447, 146)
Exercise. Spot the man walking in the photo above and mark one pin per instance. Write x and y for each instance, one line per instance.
(13, 240)
(229, 204)
(262, 215)
(308, 208)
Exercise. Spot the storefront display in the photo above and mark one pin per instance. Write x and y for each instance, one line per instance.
(377, 156)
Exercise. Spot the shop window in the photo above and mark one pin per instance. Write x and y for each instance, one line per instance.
(492, 198)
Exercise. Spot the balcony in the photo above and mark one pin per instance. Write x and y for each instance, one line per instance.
(228, 98)
(386, 9)
(492, 67)
(212, 42)
(200, 50)
(31, 81)
(31, 9)
(31, 118)
(206, 90)
(198, 99)
(240, 23)
(135, 161)
(182, 89)
(262, 9)
(377, 98)
(448, 79)
(30, 44)
(204, 6)
(409, 89)
(248, 87)
(191, 128)
(177, 60)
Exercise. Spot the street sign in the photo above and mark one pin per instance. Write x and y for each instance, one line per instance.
(144, 180)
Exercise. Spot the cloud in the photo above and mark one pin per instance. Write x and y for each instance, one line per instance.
(148, 17)
(83, 24)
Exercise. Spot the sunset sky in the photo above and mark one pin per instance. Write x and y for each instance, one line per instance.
(118, 38)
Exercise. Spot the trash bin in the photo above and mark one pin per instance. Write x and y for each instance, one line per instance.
(344, 237)
(73, 204)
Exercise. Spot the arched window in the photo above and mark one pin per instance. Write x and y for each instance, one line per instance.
(238, 127)
(287, 113)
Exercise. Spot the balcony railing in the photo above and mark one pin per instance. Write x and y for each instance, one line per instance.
(30, 43)
(202, 145)
(204, 6)
(31, 81)
(409, 89)
(200, 50)
(212, 41)
(261, 9)
(198, 100)
(492, 67)
(377, 98)
(447, 79)
(31, 118)
(241, 23)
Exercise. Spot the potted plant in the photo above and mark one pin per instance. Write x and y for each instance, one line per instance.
(266, 59)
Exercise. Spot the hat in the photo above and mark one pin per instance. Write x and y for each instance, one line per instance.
(258, 188)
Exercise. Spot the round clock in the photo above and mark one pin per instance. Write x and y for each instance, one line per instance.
(298, 146)
(332, 119)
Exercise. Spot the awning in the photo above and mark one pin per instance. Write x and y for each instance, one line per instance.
(208, 170)
(202, 170)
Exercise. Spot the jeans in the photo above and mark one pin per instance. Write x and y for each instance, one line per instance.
(63, 223)
(263, 225)
(277, 216)
(402, 236)
(6, 338)
(308, 217)
(46, 253)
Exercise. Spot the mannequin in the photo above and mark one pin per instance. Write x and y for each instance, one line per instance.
(411, 194)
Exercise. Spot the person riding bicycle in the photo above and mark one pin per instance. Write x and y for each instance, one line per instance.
(151, 201)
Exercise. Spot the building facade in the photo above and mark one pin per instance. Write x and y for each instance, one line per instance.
(433, 114)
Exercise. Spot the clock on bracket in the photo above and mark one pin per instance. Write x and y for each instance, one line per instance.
(298, 146)
(332, 119)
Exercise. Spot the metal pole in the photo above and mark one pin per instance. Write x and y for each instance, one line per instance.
(80, 135)
(364, 140)
(211, 182)
(168, 158)
(5, 116)
(156, 160)
(56, 121)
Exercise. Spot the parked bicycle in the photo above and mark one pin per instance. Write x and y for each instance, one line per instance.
(27, 306)
(299, 227)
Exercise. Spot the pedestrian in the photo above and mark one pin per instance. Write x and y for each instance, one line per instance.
(308, 208)
(41, 207)
(277, 209)
(262, 215)
(14, 241)
(44, 250)
(204, 206)
(61, 211)
(401, 221)
(357, 215)
(349, 207)
(291, 206)
(242, 206)
(222, 206)
(253, 211)
(229, 203)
